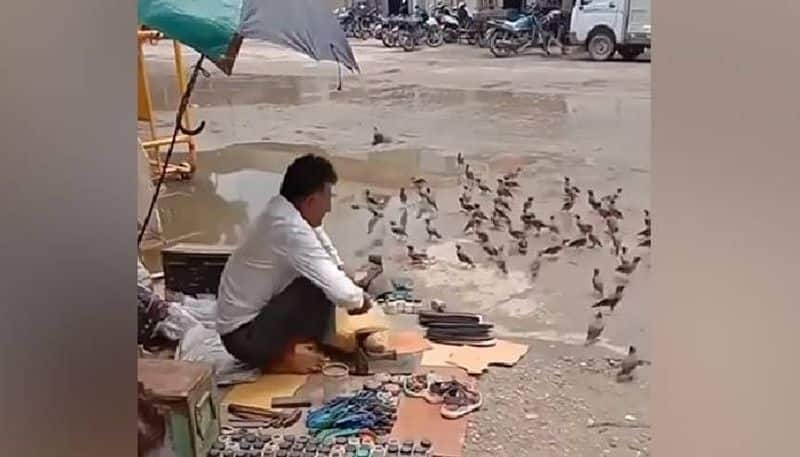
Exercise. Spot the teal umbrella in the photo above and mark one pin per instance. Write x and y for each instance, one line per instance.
(216, 28)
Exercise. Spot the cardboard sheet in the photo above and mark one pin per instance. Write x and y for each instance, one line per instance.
(408, 342)
(259, 393)
(416, 419)
(475, 360)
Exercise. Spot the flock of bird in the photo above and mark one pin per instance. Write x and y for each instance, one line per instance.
(499, 220)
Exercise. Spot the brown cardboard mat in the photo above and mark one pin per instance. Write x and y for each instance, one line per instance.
(259, 394)
(475, 360)
(418, 419)
(408, 342)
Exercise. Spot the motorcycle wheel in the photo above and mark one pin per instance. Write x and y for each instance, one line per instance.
(472, 39)
(407, 42)
(363, 34)
(498, 51)
(435, 38)
(388, 40)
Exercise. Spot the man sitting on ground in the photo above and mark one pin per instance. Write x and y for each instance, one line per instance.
(280, 286)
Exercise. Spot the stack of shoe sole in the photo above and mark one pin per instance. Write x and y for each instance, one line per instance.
(457, 328)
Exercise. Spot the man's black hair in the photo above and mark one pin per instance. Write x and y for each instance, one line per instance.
(306, 175)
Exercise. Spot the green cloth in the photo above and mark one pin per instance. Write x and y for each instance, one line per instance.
(208, 26)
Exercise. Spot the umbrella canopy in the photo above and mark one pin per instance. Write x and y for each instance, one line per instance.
(215, 28)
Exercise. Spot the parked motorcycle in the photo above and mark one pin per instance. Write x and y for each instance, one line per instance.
(507, 37)
(451, 28)
(419, 28)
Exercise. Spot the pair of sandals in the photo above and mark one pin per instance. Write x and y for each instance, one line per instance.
(457, 398)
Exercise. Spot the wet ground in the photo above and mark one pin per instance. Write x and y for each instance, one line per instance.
(553, 117)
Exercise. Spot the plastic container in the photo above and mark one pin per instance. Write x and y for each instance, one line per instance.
(335, 380)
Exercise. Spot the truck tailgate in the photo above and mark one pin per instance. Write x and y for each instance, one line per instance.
(639, 18)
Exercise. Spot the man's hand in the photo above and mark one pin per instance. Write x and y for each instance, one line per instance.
(366, 306)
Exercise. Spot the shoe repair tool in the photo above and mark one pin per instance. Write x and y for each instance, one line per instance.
(363, 356)
(290, 402)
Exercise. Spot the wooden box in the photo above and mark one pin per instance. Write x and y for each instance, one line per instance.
(187, 390)
(194, 268)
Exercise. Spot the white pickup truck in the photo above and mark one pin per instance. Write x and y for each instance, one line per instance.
(608, 26)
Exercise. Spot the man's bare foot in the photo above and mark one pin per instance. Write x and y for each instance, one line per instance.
(304, 360)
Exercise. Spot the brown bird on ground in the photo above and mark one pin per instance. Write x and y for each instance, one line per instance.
(516, 234)
(372, 222)
(431, 230)
(647, 218)
(596, 327)
(567, 206)
(612, 224)
(629, 268)
(612, 300)
(416, 257)
(403, 196)
(466, 206)
(577, 243)
(469, 174)
(502, 203)
(483, 237)
(397, 230)
(596, 205)
(372, 201)
(501, 264)
(552, 227)
(597, 282)
(629, 364)
(478, 214)
(504, 192)
(584, 228)
(491, 250)
(522, 246)
(484, 188)
(472, 224)
(594, 240)
(464, 258)
(460, 160)
(530, 220)
(502, 215)
(623, 259)
(527, 205)
(645, 243)
(428, 196)
(553, 251)
(378, 137)
(419, 182)
(510, 183)
(497, 222)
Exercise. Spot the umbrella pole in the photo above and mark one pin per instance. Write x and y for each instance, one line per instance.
(179, 116)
